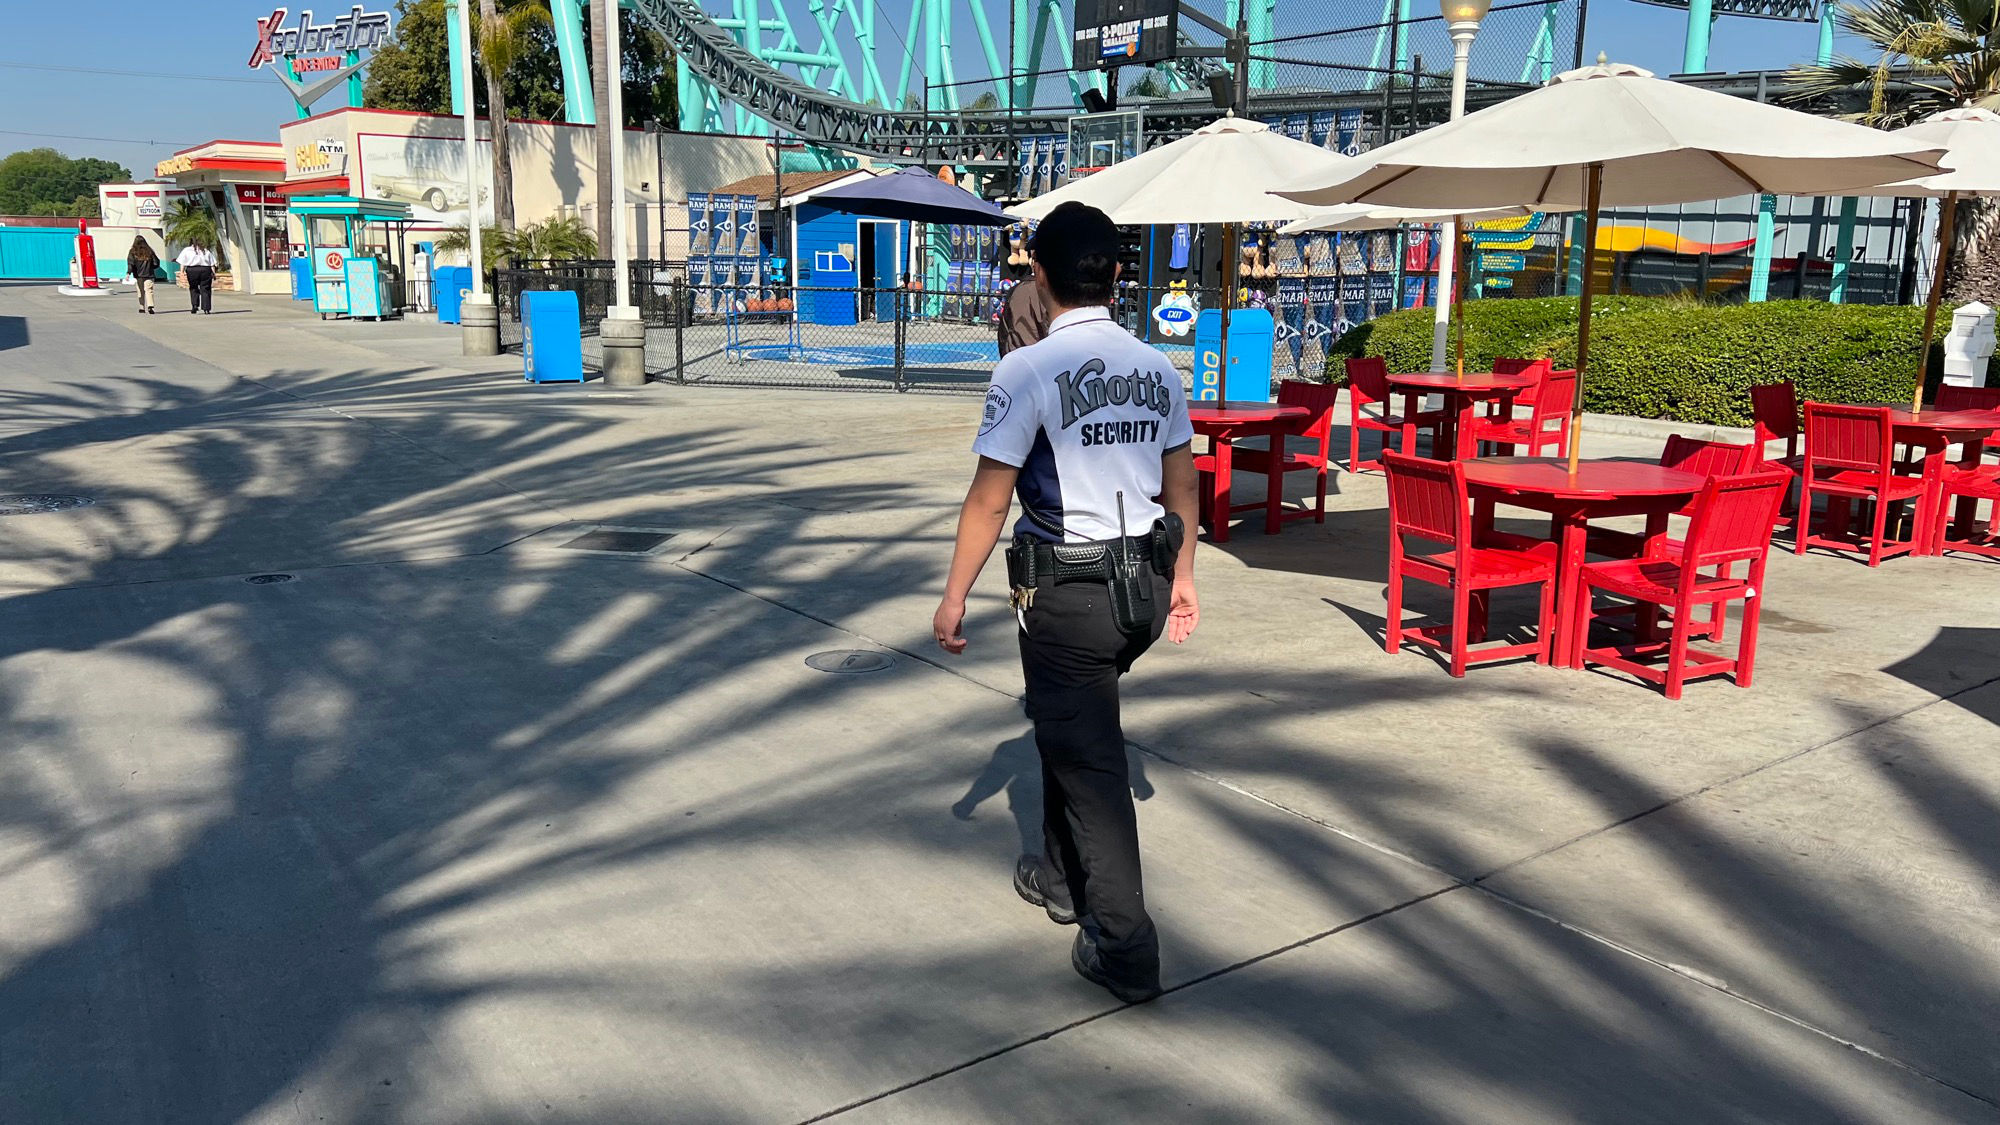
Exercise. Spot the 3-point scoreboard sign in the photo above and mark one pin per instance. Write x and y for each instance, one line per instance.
(1125, 32)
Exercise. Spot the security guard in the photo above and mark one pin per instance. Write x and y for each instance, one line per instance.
(1090, 427)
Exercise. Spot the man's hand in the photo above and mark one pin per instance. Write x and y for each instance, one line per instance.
(945, 624)
(1182, 616)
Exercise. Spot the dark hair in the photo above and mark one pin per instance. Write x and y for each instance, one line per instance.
(1077, 247)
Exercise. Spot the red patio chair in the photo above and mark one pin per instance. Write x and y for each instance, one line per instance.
(1732, 524)
(1848, 457)
(1368, 385)
(1546, 423)
(1526, 399)
(1774, 416)
(1428, 501)
(1975, 484)
(1320, 399)
(1971, 398)
(1707, 459)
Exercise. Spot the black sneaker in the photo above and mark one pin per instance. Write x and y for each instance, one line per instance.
(1032, 882)
(1088, 961)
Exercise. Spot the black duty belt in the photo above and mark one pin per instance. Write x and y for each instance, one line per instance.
(1119, 564)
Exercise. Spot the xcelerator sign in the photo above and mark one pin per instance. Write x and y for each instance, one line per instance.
(358, 30)
(318, 49)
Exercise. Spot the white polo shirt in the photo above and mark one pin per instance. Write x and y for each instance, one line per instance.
(1085, 413)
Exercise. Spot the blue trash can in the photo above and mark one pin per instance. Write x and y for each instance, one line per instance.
(302, 279)
(451, 282)
(551, 337)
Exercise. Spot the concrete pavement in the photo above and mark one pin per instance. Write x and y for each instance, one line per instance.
(457, 825)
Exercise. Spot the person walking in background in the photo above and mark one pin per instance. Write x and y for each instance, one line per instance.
(141, 264)
(1024, 315)
(199, 262)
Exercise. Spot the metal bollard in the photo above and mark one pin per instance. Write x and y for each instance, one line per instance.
(902, 335)
(479, 325)
(680, 315)
(624, 344)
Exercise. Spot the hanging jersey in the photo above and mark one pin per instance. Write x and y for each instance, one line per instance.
(1085, 414)
(1182, 246)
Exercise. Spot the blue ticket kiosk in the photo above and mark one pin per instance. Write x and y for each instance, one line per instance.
(356, 253)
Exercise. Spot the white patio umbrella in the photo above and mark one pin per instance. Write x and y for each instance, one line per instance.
(1613, 133)
(1971, 140)
(1221, 173)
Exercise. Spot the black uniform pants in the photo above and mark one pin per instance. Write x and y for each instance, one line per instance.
(1072, 654)
(201, 283)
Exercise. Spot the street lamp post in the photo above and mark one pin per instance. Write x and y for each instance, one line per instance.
(478, 318)
(622, 333)
(1462, 24)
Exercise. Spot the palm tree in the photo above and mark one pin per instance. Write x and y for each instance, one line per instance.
(458, 240)
(504, 38)
(193, 224)
(1930, 55)
(558, 238)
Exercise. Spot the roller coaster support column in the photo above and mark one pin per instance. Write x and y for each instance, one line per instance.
(1843, 239)
(1701, 18)
(1843, 248)
(1760, 253)
(567, 19)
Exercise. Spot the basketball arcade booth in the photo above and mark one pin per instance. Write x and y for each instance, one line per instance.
(356, 265)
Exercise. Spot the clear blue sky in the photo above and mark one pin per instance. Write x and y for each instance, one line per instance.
(149, 115)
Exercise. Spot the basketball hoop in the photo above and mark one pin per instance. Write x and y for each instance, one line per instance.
(1099, 140)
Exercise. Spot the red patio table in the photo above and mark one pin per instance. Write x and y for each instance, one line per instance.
(1935, 432)
(1462, 395)
(1227, 422)
(1597, 490)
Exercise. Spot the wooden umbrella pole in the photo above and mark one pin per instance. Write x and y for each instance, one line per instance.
(1945, 223)
(1593, 194)
(1461, 279)
(1231, 238)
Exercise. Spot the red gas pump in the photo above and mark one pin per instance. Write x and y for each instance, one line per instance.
(86, 255)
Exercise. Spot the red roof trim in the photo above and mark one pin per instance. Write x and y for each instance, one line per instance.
(239, 164)
(325, 185)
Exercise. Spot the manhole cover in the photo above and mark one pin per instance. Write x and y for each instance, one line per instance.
(267, 579)
(618, 542)
(28, 504)
(849, 660)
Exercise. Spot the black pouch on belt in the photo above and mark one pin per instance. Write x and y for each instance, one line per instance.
(1133, 605)
(1168, 533)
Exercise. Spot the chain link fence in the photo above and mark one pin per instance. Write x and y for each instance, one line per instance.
(821, 337)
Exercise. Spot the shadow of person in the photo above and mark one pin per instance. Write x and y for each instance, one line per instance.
(1016, 769)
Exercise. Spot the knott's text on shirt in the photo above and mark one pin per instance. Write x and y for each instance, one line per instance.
(1088, 390)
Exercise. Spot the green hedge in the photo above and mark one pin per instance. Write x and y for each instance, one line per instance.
(1663, 357)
